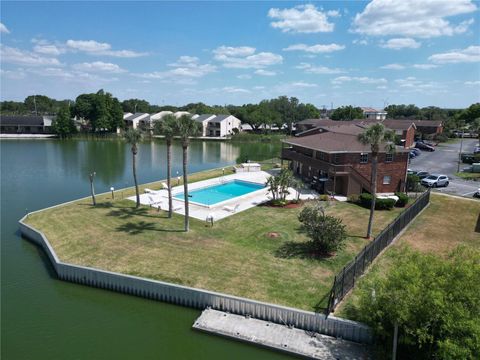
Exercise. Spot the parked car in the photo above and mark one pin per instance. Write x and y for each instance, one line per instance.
(411, 172)
(416, 151)
(422, 174)
(435, 180)
(423, 146)
(476, 150)
(476, 194)
(411, 155)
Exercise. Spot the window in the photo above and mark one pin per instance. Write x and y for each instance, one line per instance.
(388, 157)
(387, 180)
(336, 158)
(363, 158)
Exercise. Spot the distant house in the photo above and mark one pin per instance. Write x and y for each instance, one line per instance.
(223, 125)
(29, 124)
(137, 120)
(335, 161)
(428, 127)
(160, 115)
(374, 114)
(203, 120)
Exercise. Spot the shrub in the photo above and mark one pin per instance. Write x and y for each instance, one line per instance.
(323, 197)
(327, 233)
(354, 199)
(365, 200)
(412, 182)
(402, 199)
(441, 137)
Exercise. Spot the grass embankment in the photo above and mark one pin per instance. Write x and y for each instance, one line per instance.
(468, 175)
(236, 256)
(447, 223)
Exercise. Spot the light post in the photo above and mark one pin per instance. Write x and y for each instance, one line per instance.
(92, 189)
(112, 189)
(178, 180)
(460, 153)
(223, 171)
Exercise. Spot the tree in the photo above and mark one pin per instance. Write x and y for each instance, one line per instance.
(278, 185)
(39, 104)
(435, 302)
(186, 128)
(168, 128)
(347, 113)
(136, 105)
(327, 233)
(133, 137)
(402, 111)
(63, 125)
(376, 135)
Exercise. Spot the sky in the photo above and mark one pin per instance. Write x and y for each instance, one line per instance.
(328, 53)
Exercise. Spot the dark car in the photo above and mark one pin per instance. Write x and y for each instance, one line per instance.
(416, 151)
(411, 155)
(423, 146)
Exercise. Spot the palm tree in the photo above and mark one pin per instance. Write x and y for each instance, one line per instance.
(132, 137)
(375, 135)
(168, 127)
(186, 127)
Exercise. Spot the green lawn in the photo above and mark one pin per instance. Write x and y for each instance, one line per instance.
(447, 223)
(468, 175)
(237, 256)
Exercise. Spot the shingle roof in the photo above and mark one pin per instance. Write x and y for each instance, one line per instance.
(219, 118)
(203, 117)
(29, 120)
(134, 116)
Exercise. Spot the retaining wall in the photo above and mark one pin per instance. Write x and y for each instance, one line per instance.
(198, 298)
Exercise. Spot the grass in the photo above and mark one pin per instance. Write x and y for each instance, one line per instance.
(448, 222)
(468, 175)
(235, 256)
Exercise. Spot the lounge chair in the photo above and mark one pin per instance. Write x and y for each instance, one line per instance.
(164, 185)
(153, 202)
(232, 209)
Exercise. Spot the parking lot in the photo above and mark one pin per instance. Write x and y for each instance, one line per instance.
(444, 160)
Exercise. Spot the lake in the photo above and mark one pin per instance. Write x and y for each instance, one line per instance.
(45, 318)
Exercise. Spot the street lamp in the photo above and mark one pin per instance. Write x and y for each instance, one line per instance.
(92, 189)
(223, 171)
(178, 179)
(112, 189)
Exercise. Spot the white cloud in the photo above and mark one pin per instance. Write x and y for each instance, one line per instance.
(185, 67)
(319, 48)
(311, 69)
(99, 66)
(468, 55)
(393, 67)
(93, 47)
(48, 49)
(22, 57)
(424, 66)
(472, 83)
(363, 80)
(72, 76)
(413, 84)
(263, 72)
(17, 74)
(360, 41)
(234, 90)
(244, 57)
(4, 29)
(302, 19)
(244, 77)
(401, 43)
(412, 18)
(303, 84)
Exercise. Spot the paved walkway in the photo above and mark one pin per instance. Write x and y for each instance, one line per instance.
(221, 211)
(280, 337)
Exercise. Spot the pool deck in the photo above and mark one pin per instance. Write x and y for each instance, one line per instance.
(245, 202)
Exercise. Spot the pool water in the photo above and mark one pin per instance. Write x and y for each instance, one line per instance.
(214, 194)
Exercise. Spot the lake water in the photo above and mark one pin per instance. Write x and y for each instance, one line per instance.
(44, 318)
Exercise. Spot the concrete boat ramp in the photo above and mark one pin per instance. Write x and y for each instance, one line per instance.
(280, 337)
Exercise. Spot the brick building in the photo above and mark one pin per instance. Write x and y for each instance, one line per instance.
(335, 161)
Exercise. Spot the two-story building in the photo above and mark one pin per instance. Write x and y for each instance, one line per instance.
(374, 114)
(223, 125)
(336, 161)
(26, 124)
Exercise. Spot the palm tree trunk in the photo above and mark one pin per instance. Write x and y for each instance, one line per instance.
(134, 167)
(185, 186)
(373, 191)
(169, 177)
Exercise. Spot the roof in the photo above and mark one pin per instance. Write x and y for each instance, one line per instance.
(429, 123)
(27, 120)
(372, 110)
(398, 125)
(220, 118)
(202, 118)
(341, 140)
(135, 116)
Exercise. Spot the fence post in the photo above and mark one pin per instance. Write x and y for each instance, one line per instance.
(343, 282)
(354, 270)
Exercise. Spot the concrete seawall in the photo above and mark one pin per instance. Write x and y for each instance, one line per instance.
(198, 298)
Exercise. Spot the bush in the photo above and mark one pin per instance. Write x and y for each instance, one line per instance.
(412, 182)
(323, 197)
(354, 199)
(326, 232)
(365, 200)
(440, 137)
(402, 199)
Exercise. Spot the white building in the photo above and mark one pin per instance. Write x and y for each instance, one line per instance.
(160, 115)
(374, 114)
(136, 120)
(203, 120)
(223, 125)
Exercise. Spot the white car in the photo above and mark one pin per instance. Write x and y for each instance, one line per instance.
(435, 180)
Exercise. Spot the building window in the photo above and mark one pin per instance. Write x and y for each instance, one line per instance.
(363, 158)
(388, 157)
(336, 158)
(387, 180)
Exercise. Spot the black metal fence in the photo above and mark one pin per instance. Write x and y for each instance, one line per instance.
(345, 280)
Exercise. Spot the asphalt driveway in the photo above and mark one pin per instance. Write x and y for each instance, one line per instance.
(444, 160)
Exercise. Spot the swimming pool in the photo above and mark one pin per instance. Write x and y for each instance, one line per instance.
(215, 194)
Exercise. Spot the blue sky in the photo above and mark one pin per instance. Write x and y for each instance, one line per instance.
(362, 53)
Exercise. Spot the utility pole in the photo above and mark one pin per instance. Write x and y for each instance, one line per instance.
(395, 339)
(35, 104)
(460, 153)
